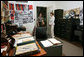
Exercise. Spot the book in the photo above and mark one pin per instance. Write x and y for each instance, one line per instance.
(46, 43)
(54, 41)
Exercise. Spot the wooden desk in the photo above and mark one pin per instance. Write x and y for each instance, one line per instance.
(41, 53)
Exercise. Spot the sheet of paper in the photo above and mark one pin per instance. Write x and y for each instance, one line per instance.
(54, 41)
(19, 41)
(26, 48)
(25, 35)
(46, 43)
(28, 39)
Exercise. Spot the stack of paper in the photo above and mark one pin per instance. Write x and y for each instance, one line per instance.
(54, 41)
(46, 43)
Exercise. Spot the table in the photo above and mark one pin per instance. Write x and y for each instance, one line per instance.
(13, 50)
(41, 53)
(55, 50)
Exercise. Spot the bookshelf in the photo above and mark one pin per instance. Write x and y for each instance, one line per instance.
(4, 15)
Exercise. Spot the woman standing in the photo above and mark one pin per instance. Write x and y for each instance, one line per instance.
(40, 21)
(51, 23)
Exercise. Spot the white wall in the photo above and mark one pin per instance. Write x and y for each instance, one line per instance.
(67, 5)
(47, 4)
(51, 5)
(42, 4)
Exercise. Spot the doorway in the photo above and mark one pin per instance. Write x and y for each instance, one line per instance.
(43, 11)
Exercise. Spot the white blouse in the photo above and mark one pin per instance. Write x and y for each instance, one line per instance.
(51, 21)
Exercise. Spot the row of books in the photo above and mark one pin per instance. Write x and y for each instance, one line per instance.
(2, 27)
(5, 5)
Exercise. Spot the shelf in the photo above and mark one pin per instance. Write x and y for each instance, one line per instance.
(5, 6)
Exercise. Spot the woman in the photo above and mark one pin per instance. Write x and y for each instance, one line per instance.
(51, 23)
(40, 21)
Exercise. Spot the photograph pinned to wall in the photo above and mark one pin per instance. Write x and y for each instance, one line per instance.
(12, 15)
(30, 7)
(11, 6)
(24, 17)
(16, 17)
(17, 7)
(30, 13)
(30, 16)
(22, 7)
(19, 16)
(25, 20)
(25, 8)
(20, 22)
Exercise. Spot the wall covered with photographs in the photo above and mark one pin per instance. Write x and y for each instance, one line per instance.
(21, 13)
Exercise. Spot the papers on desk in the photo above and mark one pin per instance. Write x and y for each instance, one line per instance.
(46, 43)
(50, 42)
(54, 41)
(26, 48)
(21, 36)
(25, 39)
(25, 43)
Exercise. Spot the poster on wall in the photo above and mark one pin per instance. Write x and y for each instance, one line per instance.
(12, 15)
(30, 13)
